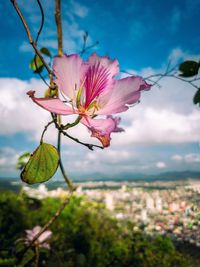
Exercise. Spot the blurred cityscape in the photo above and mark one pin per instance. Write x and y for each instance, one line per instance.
(167, 208)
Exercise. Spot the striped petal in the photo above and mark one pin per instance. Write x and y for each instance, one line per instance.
(124, 92)
(99, 76)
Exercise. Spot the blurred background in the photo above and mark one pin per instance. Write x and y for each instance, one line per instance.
(137, 202)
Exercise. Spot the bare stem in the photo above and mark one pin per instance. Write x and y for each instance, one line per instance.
(49, 223)
(59, 27)
(42, 21)
(61, 129)
(37, 254)
(89, 146)
(67, 180)
(85, 48)
(168, 73)
(31, 41)
(161, 76)
(52, 220)
(45, 129)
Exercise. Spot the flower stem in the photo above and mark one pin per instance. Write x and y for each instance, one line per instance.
(70, 125)
(59, 27)
(45, 129)
(67, 180)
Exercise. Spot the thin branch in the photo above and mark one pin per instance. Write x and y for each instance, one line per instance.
(52, 220)
(45, 128)
(89, 146)
(167, 73)
(161, 76)
(31, 41)
(85, 48)
(49, 223)
(61, 129)
(59, 27)
(60, 53)
(42, 21)
(36, 40)
(37, 254)
(67, 180)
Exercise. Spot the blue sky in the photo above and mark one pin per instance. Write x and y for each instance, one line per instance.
(161, 133)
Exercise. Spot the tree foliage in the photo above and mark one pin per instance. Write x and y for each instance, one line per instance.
(84, 235)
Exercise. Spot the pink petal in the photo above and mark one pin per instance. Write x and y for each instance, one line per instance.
(69, 72)
(44, 236)
(99, 76)
(111, 65)
(117, 121)
(100, 128)
(54, 105)
(97, 79)
(124, 92)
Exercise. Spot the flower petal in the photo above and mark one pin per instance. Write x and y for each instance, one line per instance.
(99, 76)
(69, 72)
(44, 236)
(117, 121)
(111, 65)
(100, 128)
(54, 105)
(124, 92)
(97, 79)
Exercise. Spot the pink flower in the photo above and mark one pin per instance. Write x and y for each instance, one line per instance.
(89, 89)
(30, 234)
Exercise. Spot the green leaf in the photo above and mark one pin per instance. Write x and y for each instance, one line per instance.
(196, 99)
(42, 164)
(189, 68)
(22, 160)
(36, 65)
(28, 256)
(45, 51)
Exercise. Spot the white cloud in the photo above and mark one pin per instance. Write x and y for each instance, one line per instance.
(164, 116)
(19, 113)
(78, 9)
(177, 157)
(154, 125)
(161, 165)
(192, 158)
(8, 158)
(187, 158)
(111, 156)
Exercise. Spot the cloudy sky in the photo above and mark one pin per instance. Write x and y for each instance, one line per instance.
(162, 133)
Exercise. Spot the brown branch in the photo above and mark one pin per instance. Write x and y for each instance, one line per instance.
(59, 27)
(85, 48)
(42, 22)
(45, 129)
(49, 223)
(89, 146)
(67, 180)
(168, 73)
(37, 254)
(31, 41)
(161, 76)
(60, 53)
(52, 220)
(60, 128)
